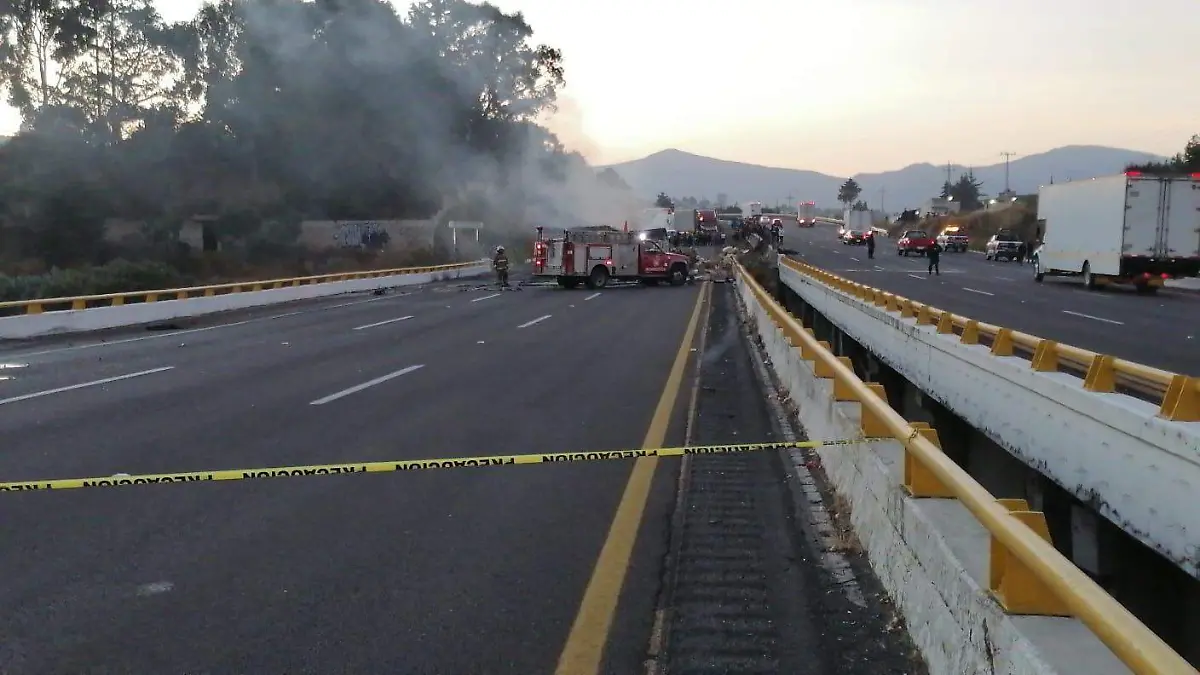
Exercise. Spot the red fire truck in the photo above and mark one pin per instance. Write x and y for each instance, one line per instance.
(595, 256)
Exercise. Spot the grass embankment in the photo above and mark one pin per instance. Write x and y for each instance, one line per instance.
(979, 226)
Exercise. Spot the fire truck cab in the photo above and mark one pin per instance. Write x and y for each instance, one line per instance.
(593, 257)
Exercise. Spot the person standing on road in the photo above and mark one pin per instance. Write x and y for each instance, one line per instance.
(1022, 253)
(934, 253)
(500, 262)
(870, 245)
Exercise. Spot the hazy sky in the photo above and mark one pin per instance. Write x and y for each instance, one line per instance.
(865, 85)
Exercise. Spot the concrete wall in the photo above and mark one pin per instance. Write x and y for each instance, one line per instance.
(1110, 450)
(100, 318)
(930, 554)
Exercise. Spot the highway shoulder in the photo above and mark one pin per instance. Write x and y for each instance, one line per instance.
(746, 590)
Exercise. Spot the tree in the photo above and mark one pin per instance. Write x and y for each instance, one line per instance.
(267, 111)
(860, 206)
(849, 192)
(966, 191)
(31, 36)
(116, 64)
(722, 200)
(947, 190)
(506, 76)
(1187, 161)
(663, 201)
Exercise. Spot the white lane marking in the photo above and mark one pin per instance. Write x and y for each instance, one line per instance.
(487, 297)
(593, 295)
(176, 333)
(383, 323)
(1006, 278)
(916, 276)
(365, 385)
(855, 259)
(972, 290)
(540, 319)
(1086, 316)
(879, 268)
(155, 588)
(93, 383)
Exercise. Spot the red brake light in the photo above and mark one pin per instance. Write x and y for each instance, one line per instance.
(608, 261)
(1196, 175)
(1133, 174)
(1165, 275)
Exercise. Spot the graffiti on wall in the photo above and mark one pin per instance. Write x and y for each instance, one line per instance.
(363, 234)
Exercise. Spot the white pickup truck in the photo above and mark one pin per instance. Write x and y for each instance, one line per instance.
(1134, 228)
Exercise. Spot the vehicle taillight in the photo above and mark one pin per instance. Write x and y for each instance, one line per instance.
(608, 261)
(1196, 175)
(1133, 174)
(1165, 275)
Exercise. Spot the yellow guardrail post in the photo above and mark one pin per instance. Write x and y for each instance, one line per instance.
(1026, 573)
(919, 481)
(1010, 581)
(1002, 343)
(1045, 357)
(1101, 375)
(1181, 403)
(1106, 373)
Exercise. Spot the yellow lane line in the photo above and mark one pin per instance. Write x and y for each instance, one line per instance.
(583, 653)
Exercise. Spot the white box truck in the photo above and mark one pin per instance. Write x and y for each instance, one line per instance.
(1134, 228)
(857, 221)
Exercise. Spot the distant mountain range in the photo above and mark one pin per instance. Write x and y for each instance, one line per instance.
(682, 174)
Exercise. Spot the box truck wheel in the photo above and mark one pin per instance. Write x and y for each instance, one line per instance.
(1038, 274)
(1089, 281)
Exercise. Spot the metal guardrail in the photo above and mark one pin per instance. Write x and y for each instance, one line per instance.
(39, 305)
(1177, 395)
(1027, 575)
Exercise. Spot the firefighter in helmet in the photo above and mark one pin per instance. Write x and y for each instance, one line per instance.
(500, 263)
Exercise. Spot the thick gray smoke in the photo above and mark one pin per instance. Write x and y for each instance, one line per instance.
(259, 114)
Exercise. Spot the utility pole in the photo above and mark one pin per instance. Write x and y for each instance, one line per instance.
(948, 172)
(883, 200)
(1007, 156)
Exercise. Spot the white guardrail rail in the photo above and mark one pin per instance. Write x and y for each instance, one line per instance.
(981, 587)
(49, 316)
(1134, 458)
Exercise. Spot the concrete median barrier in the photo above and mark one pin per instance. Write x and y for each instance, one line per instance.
(117, 315)
(959, 563)
(1117, 453)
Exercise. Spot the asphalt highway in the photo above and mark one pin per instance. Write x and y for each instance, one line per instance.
(1162, 330)
(552, 568)
(457, 571)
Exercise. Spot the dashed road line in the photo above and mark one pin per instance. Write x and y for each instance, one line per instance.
(540, 319)
(487, 297)
(593, 295)
(917, 276)
(972, 290)
(84, 385)
(188, 331)
(365, 385)
(383, 323)
(1094, 318)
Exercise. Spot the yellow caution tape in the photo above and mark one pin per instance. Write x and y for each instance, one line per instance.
(122, 480)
